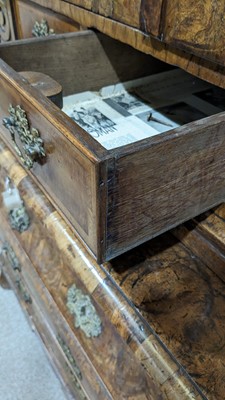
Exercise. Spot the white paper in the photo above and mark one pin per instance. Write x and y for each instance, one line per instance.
(125, 113)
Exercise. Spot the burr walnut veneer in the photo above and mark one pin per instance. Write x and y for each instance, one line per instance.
(115, 199)
(148, 324)
(156, 322)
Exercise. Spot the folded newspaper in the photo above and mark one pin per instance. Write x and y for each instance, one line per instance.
(125, 113)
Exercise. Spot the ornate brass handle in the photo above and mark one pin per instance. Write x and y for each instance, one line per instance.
(41, 29)
(17, 214)
(72, 368)
(69, 356)
(24, 293)
(13, 260)
(15, 264)
(32, 144)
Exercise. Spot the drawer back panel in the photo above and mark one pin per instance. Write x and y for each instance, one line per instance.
(81, 61)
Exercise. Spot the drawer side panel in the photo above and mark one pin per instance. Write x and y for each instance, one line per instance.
(177, 177)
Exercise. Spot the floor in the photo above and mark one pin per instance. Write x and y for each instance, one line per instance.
(25, 372)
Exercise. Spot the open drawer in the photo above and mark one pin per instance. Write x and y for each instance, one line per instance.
(116, 198)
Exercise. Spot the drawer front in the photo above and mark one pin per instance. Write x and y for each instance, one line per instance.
(57, 350)
(119, 10)
(193, 27)
(184, 25)
(70, 180)
(6, 22)
(71, 361)
(33, 20)
(61, 270)
(141, 14)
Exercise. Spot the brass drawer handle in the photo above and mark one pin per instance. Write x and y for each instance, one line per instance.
(12, 258)
(72, 364)
(85, 315)
(25, 295)
(41, 29)
(17, 214)
(32, 144)
(70, 358)
(15, 264)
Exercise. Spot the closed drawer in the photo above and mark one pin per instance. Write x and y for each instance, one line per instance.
(77, 307)
(33, 20)
(144, 15)
(118, 198)
(57, 350)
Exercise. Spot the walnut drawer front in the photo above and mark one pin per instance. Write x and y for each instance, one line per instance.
(34, 20)
(53, 269)
(115, 199)
(16, 270)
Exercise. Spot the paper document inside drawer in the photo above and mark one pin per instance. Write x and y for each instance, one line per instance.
(125, 113)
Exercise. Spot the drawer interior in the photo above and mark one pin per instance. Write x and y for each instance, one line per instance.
(155, 97)
(80, 61)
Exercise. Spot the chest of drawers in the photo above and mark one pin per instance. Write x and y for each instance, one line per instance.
(149, 324)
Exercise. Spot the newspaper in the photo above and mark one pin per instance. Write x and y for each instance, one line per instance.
(125, 113)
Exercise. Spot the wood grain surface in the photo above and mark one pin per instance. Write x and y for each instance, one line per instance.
(79, 167)
(197, 27)
(82, 199)
(141, 367)
(194, 26)
(151, 17)
(178, 181)
(124, 11)
(41, 325)
(102, 60)
(46, 85)
(206, 69)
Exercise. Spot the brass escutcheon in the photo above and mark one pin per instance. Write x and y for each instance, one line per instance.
(32, 144)
(13, 260)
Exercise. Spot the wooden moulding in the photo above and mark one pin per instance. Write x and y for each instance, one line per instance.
(52, 261)
(120, 198)
(210, 70)
(27, 14)
(196, 27)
